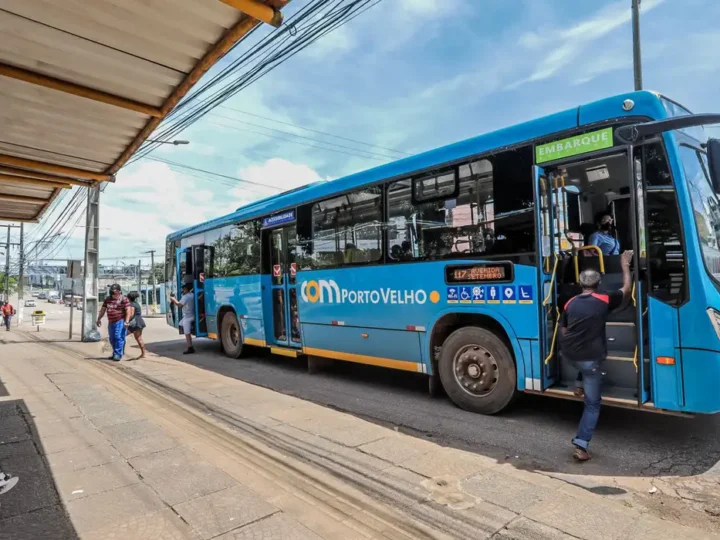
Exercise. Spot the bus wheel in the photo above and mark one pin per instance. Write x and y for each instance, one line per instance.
(477, 370)
(231, 336)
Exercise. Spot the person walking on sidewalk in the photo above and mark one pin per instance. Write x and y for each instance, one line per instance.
(136, 323)
(584, 343)
(119, 313)
(7, 312)
(187, 303)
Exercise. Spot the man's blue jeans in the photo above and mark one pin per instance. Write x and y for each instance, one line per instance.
(592, 382)
(116, 334)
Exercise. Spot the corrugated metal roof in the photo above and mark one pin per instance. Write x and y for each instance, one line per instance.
(83, 82)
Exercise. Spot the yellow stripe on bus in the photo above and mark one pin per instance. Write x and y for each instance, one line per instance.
(363, 359)
(253, 341)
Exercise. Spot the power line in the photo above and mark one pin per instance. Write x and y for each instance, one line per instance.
(311, 130)
(328, 143)
(212, 173)
(384, 158)
(275, 50)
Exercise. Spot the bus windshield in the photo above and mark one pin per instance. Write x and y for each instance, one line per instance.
(706, 207)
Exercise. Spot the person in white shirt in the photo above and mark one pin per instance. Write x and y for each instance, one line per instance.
(187, 303)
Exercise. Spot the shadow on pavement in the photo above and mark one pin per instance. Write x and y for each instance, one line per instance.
(533, 435)
(32, 509)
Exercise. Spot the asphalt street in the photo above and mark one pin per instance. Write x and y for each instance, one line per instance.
(534, 434)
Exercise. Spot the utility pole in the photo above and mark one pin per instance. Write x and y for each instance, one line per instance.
(7, 261)
(154, 277)
(637, 59)
(139, 272)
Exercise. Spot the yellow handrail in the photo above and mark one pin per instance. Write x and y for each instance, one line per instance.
(577, 263)
(552, 281)
(554, 338)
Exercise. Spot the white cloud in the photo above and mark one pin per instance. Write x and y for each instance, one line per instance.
(278, 175)
(562, 46)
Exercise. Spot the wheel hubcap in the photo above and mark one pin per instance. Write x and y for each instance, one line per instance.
(234, 335)
(476, 370)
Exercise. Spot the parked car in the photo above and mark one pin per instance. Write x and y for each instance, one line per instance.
(30, 303)
(42, 296)
(35, 294)
(53, 300)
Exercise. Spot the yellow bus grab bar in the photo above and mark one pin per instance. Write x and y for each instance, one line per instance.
(577, 263)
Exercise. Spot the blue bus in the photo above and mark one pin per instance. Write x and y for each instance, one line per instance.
(456, 263)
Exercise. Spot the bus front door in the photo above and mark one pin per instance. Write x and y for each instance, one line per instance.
(284, 326)
(545, 367)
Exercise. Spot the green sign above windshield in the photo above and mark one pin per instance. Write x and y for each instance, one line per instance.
(573, 146)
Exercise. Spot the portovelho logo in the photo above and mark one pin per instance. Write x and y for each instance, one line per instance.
(327, 291)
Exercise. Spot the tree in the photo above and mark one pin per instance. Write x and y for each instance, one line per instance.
(13, 284)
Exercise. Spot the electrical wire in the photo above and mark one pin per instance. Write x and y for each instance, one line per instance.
(277, 48)
(319, 132)
(212, 173)
(328, 143)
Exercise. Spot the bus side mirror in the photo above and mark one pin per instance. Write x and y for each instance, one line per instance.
(713, 152)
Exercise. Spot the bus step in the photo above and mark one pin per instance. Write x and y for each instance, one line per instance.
(286, 351)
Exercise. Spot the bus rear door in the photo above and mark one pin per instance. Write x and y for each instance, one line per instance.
(193, 266)
(202, 269)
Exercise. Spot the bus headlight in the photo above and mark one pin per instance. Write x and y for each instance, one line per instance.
(715, 320)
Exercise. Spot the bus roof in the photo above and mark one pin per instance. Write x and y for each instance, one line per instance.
(647, 104)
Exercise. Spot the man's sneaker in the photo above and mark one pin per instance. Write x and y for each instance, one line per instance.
(581, 454)
(7, 482)
(116, 358)
(191, 350)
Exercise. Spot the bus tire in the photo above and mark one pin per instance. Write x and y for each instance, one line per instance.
(231, 336)
(477, 370)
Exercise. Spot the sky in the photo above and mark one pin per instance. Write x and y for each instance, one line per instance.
(404, 77)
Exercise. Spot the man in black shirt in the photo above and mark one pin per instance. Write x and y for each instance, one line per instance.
(584, 344)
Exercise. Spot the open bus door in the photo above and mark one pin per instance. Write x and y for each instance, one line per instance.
(281, 314)
(193, 265)
(545, 368)
(183, 263)
(203, 259)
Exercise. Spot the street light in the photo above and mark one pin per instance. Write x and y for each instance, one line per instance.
(174, 143)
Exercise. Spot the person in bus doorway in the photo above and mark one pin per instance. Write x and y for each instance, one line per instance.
(584, 343)
(119, 314)
(603, 236)
(7, 312)
(187, 303)
(137, 323)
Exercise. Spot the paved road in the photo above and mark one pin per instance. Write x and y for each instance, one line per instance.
(535, 434)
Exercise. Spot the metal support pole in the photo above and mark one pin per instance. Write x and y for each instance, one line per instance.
(72, 305)
(7, 266)
(90, 271)
(637, 58)
(155, 296)
(21, 290)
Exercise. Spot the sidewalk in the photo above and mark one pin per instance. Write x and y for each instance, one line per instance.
(159, 449)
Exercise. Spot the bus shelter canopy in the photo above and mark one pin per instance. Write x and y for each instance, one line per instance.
(83, 83)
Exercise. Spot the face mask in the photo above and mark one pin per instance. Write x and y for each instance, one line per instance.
(606, 226)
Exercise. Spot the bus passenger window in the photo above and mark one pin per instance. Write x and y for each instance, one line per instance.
(490, 210)
(347, 229)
